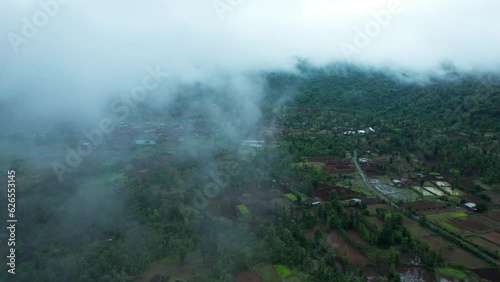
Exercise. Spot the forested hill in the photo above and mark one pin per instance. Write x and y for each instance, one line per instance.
(453, 100)
(451, 120)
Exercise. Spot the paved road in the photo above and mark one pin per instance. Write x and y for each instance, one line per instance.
(368, 184)
(433, 227)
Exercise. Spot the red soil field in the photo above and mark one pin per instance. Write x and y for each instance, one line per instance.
(372, 275)
(377, 221)
(331, 169)
(407, 221)
(494, 214)
(490, 274)
(421, 205)
(267, 195)
(456, 225)
(248, 276)
(334, 165)
(439, 211)
(372, 172)
(471, 224)
(472, 198)
(285, 190)
(323, 192)
(259, 208)
(355, 257)
(343, 166)
(457, 255)
(357, 237)
(157, 278)
(464, 182)
(223, 205)
(487, 220)
(484, 243)
(492, 237)
(322, 159)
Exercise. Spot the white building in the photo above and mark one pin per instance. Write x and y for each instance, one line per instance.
(254, 143)
(397, 182)
(470, 205)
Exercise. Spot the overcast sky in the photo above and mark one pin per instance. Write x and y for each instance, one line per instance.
(87, 50)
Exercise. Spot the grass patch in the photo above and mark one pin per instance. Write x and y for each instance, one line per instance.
(454, 198)
(243, 209)
(170, 259)
(291, 197)
(451, 272)
(245, 153)
(447, 215)
(439, 177)
(283, 271)
(304, 196)
(101, 181)
(449, 227)
(267, 273)
(434, 173)
(482, 184)
(312, 164)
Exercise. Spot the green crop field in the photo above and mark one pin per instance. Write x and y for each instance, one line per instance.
(267, 273)
(170, 259)
(452, 272)
(447, 215)
(449, 227)
(243, 209)
(428, 184)
(283, 271)
(291, 197)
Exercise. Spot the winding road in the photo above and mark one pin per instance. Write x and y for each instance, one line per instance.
(465, 244)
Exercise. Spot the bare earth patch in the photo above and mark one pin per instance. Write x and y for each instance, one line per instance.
(355, 257)
(248, 275)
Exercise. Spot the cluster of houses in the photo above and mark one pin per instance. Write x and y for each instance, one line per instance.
(254, 143)
(358, 131)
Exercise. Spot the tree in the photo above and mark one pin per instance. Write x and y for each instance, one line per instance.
(318, 235)
(182, 254)
(482, 207)
(333, 196)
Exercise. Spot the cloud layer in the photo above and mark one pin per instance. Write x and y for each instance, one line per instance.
(87, 51)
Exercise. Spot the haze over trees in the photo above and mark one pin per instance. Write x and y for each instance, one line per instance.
(236, 141)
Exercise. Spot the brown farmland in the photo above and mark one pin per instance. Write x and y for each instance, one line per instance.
(340, 245)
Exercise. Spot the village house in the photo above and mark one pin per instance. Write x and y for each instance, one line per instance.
(470, 206)
(397, 182)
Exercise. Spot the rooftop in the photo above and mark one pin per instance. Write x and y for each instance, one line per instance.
(470, 205)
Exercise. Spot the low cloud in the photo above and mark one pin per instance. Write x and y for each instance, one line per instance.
(90, 51)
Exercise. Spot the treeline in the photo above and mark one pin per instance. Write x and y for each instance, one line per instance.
(286, 242)
(452, 119)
